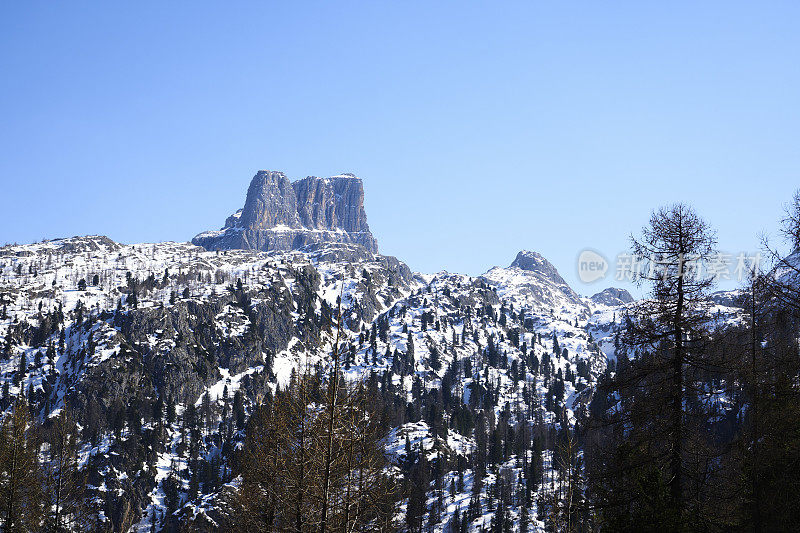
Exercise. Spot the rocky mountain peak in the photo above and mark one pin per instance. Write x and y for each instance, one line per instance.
(534, 262)
(279, 214)
(532, 279)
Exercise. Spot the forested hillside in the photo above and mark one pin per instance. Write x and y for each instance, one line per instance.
(166, 387)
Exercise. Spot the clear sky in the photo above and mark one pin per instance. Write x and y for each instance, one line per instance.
(479, 128)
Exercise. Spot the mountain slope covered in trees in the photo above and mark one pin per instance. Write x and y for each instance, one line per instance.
(158, 353)
(166, 387)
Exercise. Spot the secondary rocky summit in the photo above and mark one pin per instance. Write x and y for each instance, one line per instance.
(282, 215)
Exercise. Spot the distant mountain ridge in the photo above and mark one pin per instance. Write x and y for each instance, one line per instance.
(282, 215)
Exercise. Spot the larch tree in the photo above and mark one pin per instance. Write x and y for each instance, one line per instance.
(648, 454)
(22, 499)
(65, 483)
(314, 460)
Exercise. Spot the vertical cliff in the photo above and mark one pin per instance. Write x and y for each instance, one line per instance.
(270, 202)
(281, 215)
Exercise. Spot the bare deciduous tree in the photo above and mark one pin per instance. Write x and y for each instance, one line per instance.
(21, 496)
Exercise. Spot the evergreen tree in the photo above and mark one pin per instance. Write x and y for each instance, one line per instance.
(410, 361)
(22, 369)
(644, 471)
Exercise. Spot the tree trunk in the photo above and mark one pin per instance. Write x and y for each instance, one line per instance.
(677, 394)
(334, 386)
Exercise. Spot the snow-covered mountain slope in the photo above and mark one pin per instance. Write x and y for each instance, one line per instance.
(136, 339)
(102, 329)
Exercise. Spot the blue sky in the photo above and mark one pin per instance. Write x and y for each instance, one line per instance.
(479, 128)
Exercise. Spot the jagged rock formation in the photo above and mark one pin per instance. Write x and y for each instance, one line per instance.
(281, 215)
(612, 296)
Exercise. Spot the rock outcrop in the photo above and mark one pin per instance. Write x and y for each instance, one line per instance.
(281, 215)
(534, 262)
(612, 296)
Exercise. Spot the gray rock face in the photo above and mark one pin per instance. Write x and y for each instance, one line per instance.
(316, 203)
(534, 262)
(270, 202)
(612, 296)
(331, 203)
(281, 215)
